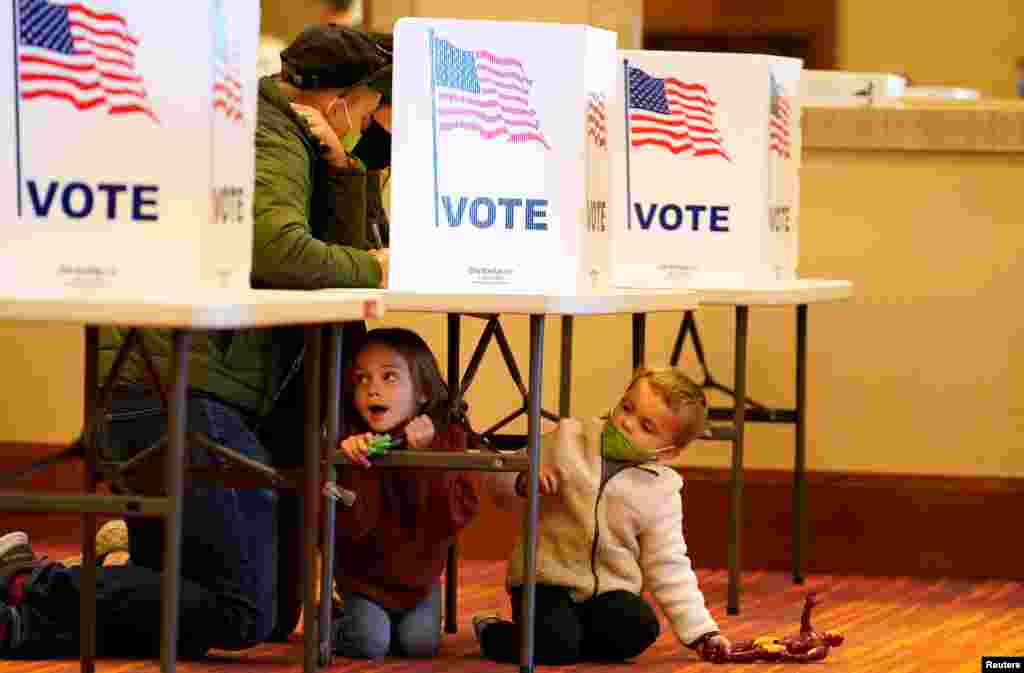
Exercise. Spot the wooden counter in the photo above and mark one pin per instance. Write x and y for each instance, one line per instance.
(975, 126)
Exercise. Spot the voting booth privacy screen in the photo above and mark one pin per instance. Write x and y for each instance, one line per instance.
(500, 157)
(705, 168)
(129, 154)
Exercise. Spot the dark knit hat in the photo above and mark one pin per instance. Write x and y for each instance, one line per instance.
(334, 56)
(381, 81)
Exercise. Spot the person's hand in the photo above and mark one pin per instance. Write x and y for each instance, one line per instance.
(550, 479)
(382, 256)
(383, 116)
(714, 646)
(419, 433)
(356, 448)
(322, 131)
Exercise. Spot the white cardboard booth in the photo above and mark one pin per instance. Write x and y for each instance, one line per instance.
(129, 154)
(705, 152)
(500, 157)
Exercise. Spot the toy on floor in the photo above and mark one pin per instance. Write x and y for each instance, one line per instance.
(808, 645)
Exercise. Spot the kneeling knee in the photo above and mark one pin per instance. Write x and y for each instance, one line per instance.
(421, 646)
(367, 645)
(361, 640)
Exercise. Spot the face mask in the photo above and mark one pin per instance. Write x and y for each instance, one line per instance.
(353, 134)
(616, 446)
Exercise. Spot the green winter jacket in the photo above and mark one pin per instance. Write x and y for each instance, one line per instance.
(311, 232)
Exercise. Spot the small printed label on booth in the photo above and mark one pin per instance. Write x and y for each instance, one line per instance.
(86, 275)
(676, 271)
(489, 275)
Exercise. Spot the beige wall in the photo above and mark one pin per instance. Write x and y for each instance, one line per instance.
(922, 371)
(972, 44)
(285, 19)
(38, 398)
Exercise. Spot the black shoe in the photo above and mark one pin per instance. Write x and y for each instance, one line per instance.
(14, 629)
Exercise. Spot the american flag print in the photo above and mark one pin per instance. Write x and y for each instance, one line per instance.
(227, 79)
(779, 122)
(673, 115)
(597, 125)
(484, 92)
(80, 55)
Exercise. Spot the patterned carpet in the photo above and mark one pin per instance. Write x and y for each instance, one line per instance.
(892, 625)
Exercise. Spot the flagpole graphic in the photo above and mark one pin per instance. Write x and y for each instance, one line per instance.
(433, 117)
(17, 103)
(629, 200)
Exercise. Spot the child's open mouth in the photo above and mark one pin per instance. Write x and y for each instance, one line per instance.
(377, 412)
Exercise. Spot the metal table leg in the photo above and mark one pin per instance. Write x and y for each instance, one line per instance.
(451, 577)
(800, 454)
(565, 382)
(333, 420)
(311, 496)
(532, 505)
(87, 596)
(739, 423)
(639, 340)
(177, 422)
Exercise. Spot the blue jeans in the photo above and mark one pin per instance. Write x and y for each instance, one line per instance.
(366, 630)
(228, 552)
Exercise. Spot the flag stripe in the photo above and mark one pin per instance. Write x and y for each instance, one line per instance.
(500, 60)
(493, 119)
(97, 16)
(507, 86)
(78, 102)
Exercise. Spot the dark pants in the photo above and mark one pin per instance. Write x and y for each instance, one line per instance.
(612, 626)
(228, 553)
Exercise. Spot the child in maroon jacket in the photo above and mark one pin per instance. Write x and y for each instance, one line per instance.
(393, 541)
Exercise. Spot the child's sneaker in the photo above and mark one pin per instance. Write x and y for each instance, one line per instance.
(13, 628)
(111, 545)
(481, 622)
(15, 555)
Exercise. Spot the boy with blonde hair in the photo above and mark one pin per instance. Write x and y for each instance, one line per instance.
(610, 527)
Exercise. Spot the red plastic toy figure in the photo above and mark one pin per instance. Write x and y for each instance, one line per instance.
(808, 645)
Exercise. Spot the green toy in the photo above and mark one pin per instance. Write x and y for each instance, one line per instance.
(381, 444)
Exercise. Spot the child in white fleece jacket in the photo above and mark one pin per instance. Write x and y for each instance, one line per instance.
(610, 527)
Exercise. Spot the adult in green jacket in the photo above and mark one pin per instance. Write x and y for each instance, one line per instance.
(311, 231)
(317, 214)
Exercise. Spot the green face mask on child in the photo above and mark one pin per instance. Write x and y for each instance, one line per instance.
(616, 446)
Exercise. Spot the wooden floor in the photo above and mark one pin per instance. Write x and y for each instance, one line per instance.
(892, 625)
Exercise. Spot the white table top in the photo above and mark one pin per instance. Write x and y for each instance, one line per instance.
(612, 301)
(776, 293)
(207, 309)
